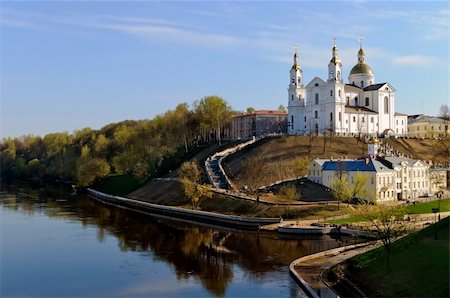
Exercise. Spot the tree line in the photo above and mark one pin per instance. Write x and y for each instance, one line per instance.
(138, 148)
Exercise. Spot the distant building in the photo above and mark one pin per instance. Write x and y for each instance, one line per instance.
(426, 127)
(258, 123)
(361, 106)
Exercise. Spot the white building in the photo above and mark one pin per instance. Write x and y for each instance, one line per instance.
(389, 178)
(360, 107)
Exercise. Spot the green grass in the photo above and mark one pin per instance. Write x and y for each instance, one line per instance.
(119, 185)
(350, 219)
(427, 206)
(419, 266)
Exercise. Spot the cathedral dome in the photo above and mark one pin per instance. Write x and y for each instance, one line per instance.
(361, 68)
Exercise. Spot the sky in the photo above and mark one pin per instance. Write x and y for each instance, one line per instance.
(66, 65)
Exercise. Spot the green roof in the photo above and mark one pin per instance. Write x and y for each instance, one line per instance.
(361, 68)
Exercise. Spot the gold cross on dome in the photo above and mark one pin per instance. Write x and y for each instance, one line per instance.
(295, 48)
(361, 42)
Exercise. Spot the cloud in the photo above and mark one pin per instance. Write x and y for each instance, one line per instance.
(416, 60)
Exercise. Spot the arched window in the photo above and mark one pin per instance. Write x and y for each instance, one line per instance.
(362, 83)
(317, 98)
(356, 100)
(348, 100)
(299, 80)
(338, 75)
(292, 97)
(339, 92)
(331, 92)
(292, 121)
(340, 116)
(386, 105)
(316, 114)
(305, 119)
(331, 116)
(293, 80)
(362, 119)
(367, 101)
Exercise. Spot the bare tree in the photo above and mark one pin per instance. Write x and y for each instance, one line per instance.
(288, 194)
(255, 170)
(387, 221)
(444, 112)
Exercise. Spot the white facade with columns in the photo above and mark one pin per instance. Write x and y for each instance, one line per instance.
(361, 106)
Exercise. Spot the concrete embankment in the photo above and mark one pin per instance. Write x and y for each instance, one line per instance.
(249, 223)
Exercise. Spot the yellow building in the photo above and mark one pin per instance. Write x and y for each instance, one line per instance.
(426, 127)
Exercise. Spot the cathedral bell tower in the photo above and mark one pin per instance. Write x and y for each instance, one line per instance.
(296, 94)
(335, 66)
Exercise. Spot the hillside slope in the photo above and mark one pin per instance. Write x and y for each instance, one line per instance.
(278, 153)
(420, 149)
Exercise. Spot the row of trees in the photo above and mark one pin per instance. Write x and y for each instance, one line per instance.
(139, 148)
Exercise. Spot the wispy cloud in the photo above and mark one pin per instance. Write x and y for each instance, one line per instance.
(416, 60)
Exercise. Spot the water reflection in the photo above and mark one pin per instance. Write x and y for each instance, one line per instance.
(210, 255)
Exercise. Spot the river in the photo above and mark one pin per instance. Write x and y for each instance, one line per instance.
(54, 244)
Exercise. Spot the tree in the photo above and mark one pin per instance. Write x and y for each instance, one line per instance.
(288, 193)
(89, 169)
(444, 112)
(340, 189)
(358, 185)
(255, 170)
(215, 114)
(387, 220)
(251, 110)
(300, 166)
(282, 108)
(190, 181)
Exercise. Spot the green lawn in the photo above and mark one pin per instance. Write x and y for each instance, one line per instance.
(419, 266)
(427, 206)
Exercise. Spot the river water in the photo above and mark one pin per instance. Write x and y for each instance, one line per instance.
(54, 244)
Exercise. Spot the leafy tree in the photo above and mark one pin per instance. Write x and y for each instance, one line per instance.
(101, 143)
(251, 110)
(214, 113)
(89, 169)
(387, 220)
(358, 186)
(340, 189)
(190, 180)
(288, 194)
(300, 166)
(282, 108)
(54, 142)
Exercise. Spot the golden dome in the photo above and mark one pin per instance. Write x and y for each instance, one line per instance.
(361, 68)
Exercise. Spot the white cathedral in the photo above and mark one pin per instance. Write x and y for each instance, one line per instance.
(360, 107)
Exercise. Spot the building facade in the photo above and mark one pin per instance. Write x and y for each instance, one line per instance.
(426, 127)
(361, 106)
(389, 178)
(258, 124)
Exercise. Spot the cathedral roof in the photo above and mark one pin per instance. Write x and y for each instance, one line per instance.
(359, 110)
(361, 68)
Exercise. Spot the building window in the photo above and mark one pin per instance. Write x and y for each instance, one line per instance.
(316, 114)
(362, 83)
(348, 100)
(331, 92)
(292, 97)
(331, 116)
(402, 122)
(356, 101)
(362, 119)
(305, 119)
(367, 101)
(396, 122)
(340, 116)
(292, 121)
(316, 84)
(354, 119)
(299, 80)
(317, 98)
(339, 76)
(371, 180)
(371, 119)
(386, 105)
(339, 91)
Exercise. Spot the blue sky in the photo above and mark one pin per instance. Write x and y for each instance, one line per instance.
(68, 65)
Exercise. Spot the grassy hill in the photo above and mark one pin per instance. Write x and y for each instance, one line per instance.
(416, 148)
(278, 153)
(419, 266)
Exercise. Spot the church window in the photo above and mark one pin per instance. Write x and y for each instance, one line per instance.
(293, 80)
(354, 119)
(292, 121)
(317, 98)
(402, 122)
(353, 82)
(367, 101)
(316, 114)
(396, 122)
(339, 76)
(362, 119)
(348, 100)
(339, 92)
(386, 105)
(305, 119)
(331, 116)
(331, 92)
(362, 83)
(371, 119)
(292, 97)
(340, 116)
(299, 80)
(356, 100)
(316, 84)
